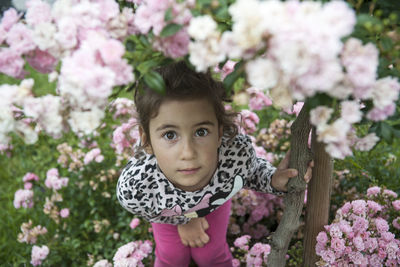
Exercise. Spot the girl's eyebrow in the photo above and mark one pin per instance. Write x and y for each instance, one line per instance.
(165, 126)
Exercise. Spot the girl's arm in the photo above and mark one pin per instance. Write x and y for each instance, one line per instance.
(193, 233)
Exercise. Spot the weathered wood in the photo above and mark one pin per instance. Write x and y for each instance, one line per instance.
(318, 200)
(300, 156)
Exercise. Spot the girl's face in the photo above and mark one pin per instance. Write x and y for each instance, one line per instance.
(185, 137)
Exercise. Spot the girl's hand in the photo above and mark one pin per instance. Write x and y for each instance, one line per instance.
(193, 233)
(283, 174)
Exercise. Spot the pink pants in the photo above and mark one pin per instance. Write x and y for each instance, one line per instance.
(170, 252)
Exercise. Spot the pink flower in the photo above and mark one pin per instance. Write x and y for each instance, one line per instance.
(42, 61)
(359, 206)
(345, 227)
(337, 244)
(381, 113)
(39, 254)
(94, 154)
(10, 17)
(38, 12)
(30, 177)
(387, 192)
(360, 224)
(23, 198)
(396, 223)
(322, 238)
(64, 213)
(235, 263)
(53, 181)
(174, 46)
(250, 120)
(11, 63)
(335, 231)
(134, 223)
(258, 100)
(241, 242)
(328, 256)
(28, 185)
(381, 225)
(396, 205)
(346, 208)
(133, 253)
(373, 191)
(371, 244)
(375, 207)
(20, 39)
(358, 243)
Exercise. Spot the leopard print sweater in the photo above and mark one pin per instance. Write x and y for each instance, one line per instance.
(143, 189)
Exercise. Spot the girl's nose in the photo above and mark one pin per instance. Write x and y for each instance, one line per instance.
(188, 150)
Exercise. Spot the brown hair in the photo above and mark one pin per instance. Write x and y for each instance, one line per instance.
(183, 83)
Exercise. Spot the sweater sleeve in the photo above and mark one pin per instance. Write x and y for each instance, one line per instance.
(134, 195)
(260, 172)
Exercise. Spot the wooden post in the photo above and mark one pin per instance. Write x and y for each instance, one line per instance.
(318, 200)
(300, 156)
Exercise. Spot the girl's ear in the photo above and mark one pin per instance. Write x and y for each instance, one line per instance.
(144, 142)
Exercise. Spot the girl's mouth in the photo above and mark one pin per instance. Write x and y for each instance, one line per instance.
(189, 171)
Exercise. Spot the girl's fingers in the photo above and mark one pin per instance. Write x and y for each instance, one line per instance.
(204, 238)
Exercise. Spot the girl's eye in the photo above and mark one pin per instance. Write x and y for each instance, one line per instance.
(170, 135)
(201, 132)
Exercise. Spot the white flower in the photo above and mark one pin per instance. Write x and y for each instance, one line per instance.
(46, 111)
(202, 27)
(262, 73)
(248, 25)
(85, 121)
(367, 142)
(207, 53)
(43, 35)
(351, 111)
(385, 91)
(320, 115)
(335, 132)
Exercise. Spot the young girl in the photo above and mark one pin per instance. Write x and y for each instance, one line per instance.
(190, 163)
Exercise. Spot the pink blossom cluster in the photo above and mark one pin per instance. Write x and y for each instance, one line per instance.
(86, 36)
(360, 233)
(23, 198)
(256, 206)
(305, 55)
(122, 107)
(39, 254)
(102, 263)
(28, 179)
(93, 155)
(133, 253)
(11, 120)
(29, 235)
(134, 223)
(249, 121)
(54, 181)
(125, 136)
(151, 15)
(256, 255)
(258, 99)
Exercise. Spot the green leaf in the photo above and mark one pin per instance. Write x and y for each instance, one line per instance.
(231, 78)
(385, 131)
(144, 67)
(130, 45)
(170, 29)
(155, 81)
(168, 15)
(387, 43)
